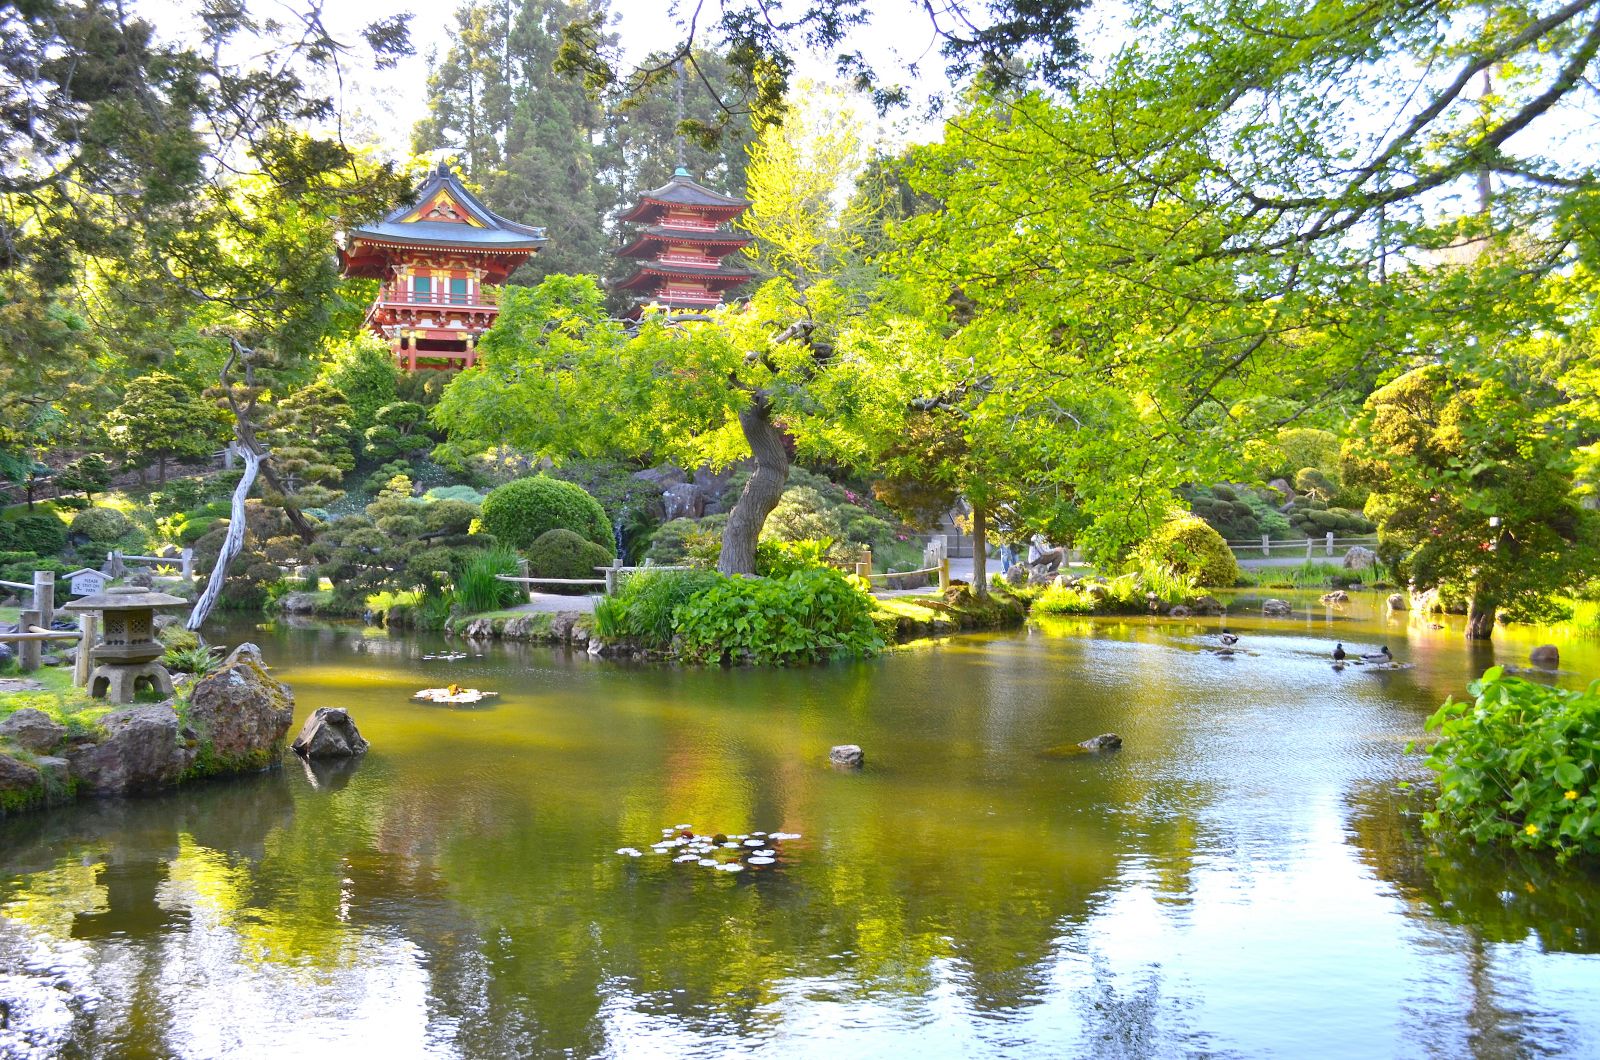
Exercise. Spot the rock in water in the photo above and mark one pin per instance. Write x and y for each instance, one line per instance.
(1338, 596)
(32, 730)
(1276, 607)
(1106, 741)
(329, 733)
(240, 714)
(141, 753)
(1397, 602)
(847, 756)
(1545, 655)
(20, 783)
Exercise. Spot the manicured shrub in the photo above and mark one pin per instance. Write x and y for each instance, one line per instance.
(808, 615)
(451, 517)
(520, 512)
(1520, 763)
(454, 493)
(101, 525)
(1189, 547)
(693, 541)
(560, 553)
(38, 533)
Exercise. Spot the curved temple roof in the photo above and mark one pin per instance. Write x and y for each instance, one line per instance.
(681, 190)
(445, 215)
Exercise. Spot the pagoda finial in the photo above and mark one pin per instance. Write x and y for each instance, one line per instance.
(444, 168)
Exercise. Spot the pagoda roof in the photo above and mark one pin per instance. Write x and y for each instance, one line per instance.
(682, 190)
(445, 214)
(655, 235)
(652, 269)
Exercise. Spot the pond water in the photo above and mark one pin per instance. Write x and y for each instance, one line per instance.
(1245, 878)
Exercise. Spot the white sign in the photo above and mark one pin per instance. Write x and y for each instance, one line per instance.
(88, 583)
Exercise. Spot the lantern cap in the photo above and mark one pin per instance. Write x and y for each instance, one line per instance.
(124, 598)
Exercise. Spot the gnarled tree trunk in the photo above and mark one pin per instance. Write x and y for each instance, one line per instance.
(761, 494)
(232, 544)
(1480, 618)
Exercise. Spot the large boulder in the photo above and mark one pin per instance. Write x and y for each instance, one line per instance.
(1206, 605)
(32, 730)
(1545, 655)
(21, 785)
(662, 476)
(847, 756)
(683, 500)
(1017, 574)
(141, 753)
(1276, 607)
(240, 714)
(1359, 558)
(298, 603)
(1397, 602)
(329, 733)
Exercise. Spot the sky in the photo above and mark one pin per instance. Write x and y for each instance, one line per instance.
(382, 106)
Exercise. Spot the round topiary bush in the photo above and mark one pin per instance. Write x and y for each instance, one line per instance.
(521, 512)
(560, 553)
(1191, 547)
(101, 524)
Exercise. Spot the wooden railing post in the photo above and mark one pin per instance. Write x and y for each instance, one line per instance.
(28, 651)
(1266, 545)
(944, 574)
(44, 596)
(188, 564)
(522, 572)
(1310, 544)
(1330, 542)
(89, 630)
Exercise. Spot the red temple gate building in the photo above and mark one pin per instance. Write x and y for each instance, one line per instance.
(438, 261)
(680, 247)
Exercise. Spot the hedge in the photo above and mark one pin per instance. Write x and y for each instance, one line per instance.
(521, 512)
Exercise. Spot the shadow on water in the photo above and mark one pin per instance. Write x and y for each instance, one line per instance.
(457, 891)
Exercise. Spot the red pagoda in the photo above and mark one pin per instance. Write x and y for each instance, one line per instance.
(679, 249)
(438, 260)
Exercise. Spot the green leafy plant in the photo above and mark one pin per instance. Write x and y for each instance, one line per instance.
(775, 559)
(1518, 764)
(811, 614)
(644, 605)
(196, 660)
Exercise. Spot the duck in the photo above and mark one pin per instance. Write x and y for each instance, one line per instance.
(1227, 638)
(1382, 655)
(1338, 653)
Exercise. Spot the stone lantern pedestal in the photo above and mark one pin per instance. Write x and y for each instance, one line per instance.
(128, 655)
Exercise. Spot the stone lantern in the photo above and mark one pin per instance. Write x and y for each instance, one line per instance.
(128, 655)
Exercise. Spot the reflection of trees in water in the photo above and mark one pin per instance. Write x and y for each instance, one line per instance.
(1494, 898)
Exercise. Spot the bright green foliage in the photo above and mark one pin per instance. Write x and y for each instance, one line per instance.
(519, 512)
(1519, 763)
(196, 660)
(38, 533)
(363, 372)
(560, 553)
(645, 603)
(162, 417)
(1125, 594)
(476, 587)
(802, 515)
(778, 559)
(1190, 548)
(101, 525)
(809, 615)
(1468, 493)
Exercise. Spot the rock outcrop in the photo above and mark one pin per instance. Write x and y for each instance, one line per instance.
(240, 714)
(21, 785)
(142, 752)
(1359, 558)
(1106, 741)
(1276, 607)
(329, 733)
(32, 730)
(1545, 655)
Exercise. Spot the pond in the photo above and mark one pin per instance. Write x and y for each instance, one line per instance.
(1244, 878)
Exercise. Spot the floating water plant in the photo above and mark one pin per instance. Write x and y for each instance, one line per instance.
(453, 694)
(445, 656)
(753, 850)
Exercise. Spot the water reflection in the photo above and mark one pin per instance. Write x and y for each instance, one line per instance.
(455, 893)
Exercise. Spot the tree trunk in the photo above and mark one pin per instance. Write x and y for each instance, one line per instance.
(761, 494)
(161, 470)
(980, 550)
(1480, 618)
(231, 545)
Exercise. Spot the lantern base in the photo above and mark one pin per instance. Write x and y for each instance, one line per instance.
(119, 682)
